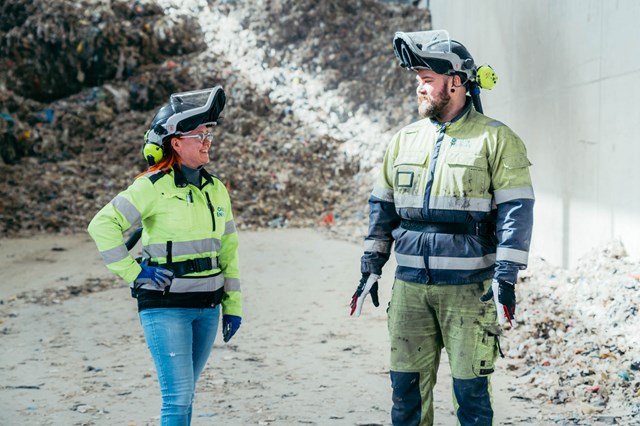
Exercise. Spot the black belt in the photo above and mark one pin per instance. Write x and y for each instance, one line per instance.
(475, 228)
(185, 267)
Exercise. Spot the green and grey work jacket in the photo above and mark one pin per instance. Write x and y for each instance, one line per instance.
(472, 170)
(183, 225)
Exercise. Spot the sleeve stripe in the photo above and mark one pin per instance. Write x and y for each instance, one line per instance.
(127, 209)
(505, 195)
(377, 246)
(229, 227)
(384, 194)
(232, 284)
(115, 254)
(512, 255)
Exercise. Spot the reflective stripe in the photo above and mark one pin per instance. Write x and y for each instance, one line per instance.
(384, 194)
(192, 285)
(494, 123)
(377, 246)
(232, 284)
(410, 261)
(403, 200)
(128, 210)
(460, 203)
(115, 254)
(229, 227)
(512, 255)
(152, 174)
(504, 195)
(462, 263)
(182, 248)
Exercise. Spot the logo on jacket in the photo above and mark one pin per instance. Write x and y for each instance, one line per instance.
(220, 212)
(460, 143)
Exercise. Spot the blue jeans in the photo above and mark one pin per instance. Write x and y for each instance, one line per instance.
(180, 341)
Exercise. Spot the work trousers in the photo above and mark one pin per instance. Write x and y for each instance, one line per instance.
(180, 341)
(423, 319)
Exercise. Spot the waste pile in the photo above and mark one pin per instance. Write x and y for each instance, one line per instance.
(308, 96)
(577, 338)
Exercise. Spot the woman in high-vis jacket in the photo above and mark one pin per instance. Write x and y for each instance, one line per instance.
(189, 264)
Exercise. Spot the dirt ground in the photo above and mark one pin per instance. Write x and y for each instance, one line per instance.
(73, 353)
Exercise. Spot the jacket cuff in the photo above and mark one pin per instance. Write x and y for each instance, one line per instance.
(232, 303)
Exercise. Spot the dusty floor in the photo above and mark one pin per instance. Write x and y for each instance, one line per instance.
(72, 356)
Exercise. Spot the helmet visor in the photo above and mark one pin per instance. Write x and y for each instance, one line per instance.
(426, 50)
(195, 108)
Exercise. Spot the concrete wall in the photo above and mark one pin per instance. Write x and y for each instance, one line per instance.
(569, 85)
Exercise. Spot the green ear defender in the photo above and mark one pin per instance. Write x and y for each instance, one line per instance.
(486, 77)
(151, 151)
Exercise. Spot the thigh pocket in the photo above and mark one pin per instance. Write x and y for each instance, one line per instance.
(485, 354)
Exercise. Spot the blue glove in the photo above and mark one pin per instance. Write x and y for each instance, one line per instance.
(230, 324)
(154, 275)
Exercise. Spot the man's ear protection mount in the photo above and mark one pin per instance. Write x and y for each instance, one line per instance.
(185, 112)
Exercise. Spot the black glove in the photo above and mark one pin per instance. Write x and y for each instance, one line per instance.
(357, 300)
(504, 295)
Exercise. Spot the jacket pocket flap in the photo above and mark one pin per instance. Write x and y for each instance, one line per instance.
(466, 159)
(411, 157)
(516, 162)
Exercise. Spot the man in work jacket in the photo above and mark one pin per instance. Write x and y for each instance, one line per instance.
(455, 195)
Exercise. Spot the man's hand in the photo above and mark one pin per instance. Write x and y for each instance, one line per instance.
(504, 296)
(368, 285)
(154, 275)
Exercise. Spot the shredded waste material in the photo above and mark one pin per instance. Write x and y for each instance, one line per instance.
(76, 100)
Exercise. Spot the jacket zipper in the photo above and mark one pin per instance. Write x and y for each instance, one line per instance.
(213, 217)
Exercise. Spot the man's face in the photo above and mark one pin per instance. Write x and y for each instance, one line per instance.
(433, 93)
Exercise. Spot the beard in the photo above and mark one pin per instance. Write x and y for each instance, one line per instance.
(433, 106)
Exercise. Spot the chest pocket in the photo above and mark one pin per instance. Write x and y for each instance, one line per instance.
(409, 182)
(177, 212)
(465, 174)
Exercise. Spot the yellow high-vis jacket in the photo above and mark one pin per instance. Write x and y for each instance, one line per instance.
(473, 171)
(187, 229)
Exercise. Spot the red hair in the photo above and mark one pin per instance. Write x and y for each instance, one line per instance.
(169, 160)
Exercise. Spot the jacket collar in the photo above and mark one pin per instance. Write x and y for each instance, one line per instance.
(181, 181)
(458, 119)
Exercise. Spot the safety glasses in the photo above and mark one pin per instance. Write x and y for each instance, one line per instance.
(201, 137)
